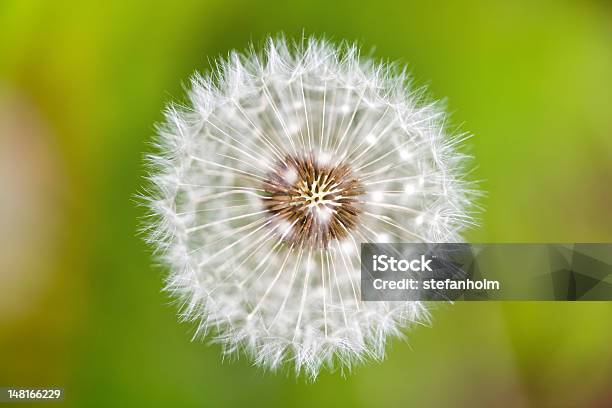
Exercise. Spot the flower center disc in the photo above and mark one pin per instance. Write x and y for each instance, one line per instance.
(312, 201)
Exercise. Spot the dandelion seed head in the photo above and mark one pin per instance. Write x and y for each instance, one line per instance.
(264, 187)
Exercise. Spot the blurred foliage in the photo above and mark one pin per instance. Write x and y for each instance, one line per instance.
(530, 79)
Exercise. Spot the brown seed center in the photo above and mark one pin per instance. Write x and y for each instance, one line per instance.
(311, 201)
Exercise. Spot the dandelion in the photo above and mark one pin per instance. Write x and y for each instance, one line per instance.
(266, 184)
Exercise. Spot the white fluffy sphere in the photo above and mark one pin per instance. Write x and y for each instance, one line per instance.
(264, 187)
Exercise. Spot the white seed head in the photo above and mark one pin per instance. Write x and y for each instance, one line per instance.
(264, 187)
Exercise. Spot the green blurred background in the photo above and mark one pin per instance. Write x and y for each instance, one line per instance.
(81, 86)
